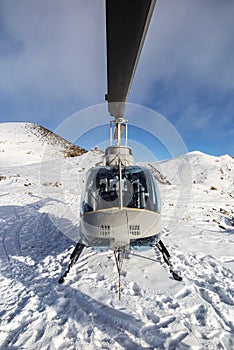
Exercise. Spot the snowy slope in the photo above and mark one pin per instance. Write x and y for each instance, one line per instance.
(28, 143)
(205, 169)
(39, 206)
(202, 182)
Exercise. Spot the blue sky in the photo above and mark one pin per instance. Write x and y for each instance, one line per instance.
(53, 65)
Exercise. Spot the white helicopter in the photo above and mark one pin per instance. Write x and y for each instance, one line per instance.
(120, 208)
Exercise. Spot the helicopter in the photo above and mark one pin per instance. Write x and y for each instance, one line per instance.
(120, 206)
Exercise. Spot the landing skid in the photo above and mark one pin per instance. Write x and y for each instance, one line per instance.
(119, 260)
(73, 259)
(167, 258)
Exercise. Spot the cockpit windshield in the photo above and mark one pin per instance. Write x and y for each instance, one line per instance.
(138, 189)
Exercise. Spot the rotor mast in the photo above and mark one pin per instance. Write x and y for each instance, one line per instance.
(117, 128)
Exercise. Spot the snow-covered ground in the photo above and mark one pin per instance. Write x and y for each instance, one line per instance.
(39, 218)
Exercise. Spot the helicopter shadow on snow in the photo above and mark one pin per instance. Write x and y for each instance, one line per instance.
(46, 243)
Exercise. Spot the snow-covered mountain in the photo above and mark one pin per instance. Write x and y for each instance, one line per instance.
(205, 169)
(39, 218)
(27, 143)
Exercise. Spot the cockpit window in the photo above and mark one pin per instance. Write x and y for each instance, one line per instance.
(138, 189)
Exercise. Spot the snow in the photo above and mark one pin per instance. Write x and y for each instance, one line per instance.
(27, 143)
(39, 217)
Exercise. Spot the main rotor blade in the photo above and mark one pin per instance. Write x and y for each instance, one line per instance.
(127, 22)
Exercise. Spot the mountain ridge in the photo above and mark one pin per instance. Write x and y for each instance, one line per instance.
(28, 143)
(25, 143)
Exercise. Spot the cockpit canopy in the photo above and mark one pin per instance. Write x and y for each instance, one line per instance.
(103, 190)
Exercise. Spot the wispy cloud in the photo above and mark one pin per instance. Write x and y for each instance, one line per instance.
(190, 44)
(54, 49)
(187, 68)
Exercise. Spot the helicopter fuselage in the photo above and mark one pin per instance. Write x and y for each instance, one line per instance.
(120, 207)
